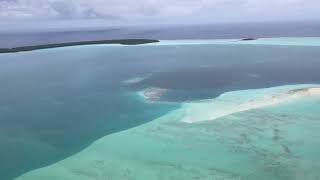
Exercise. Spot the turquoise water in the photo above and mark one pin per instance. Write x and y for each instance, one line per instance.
(55, 103)
(278, 142)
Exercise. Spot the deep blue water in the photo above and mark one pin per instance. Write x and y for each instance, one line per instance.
(55, 102)
(203, 71)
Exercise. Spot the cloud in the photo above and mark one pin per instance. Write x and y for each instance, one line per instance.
(160, 10)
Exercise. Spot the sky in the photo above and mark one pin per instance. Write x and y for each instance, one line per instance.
(149, 12)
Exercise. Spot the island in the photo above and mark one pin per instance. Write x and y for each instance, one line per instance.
(248, 39)
(48, 46)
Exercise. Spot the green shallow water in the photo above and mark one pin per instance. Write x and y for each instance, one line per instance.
(278, 142)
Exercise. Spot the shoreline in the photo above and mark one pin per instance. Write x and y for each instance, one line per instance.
(277, 41)
(69, 44)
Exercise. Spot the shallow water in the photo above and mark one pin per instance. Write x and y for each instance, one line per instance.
(278, 142)
(55, 103)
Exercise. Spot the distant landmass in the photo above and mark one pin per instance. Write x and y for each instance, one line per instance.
(18, 38)
(47, 46)
(249, 39)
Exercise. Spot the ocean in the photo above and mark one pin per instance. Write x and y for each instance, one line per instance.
(81, 112)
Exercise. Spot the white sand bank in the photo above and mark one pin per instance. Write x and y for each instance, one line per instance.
(238, 101)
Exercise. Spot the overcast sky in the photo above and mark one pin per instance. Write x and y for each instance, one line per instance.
(156, 11)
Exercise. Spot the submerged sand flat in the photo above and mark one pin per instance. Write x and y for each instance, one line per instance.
(153, 93)
(261, 143)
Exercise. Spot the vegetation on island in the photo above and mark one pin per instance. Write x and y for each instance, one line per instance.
(47, 46)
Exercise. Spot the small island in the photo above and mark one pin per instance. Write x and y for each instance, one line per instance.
(248, 39)
(48, 46)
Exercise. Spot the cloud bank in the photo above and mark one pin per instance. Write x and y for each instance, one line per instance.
(161, 11)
